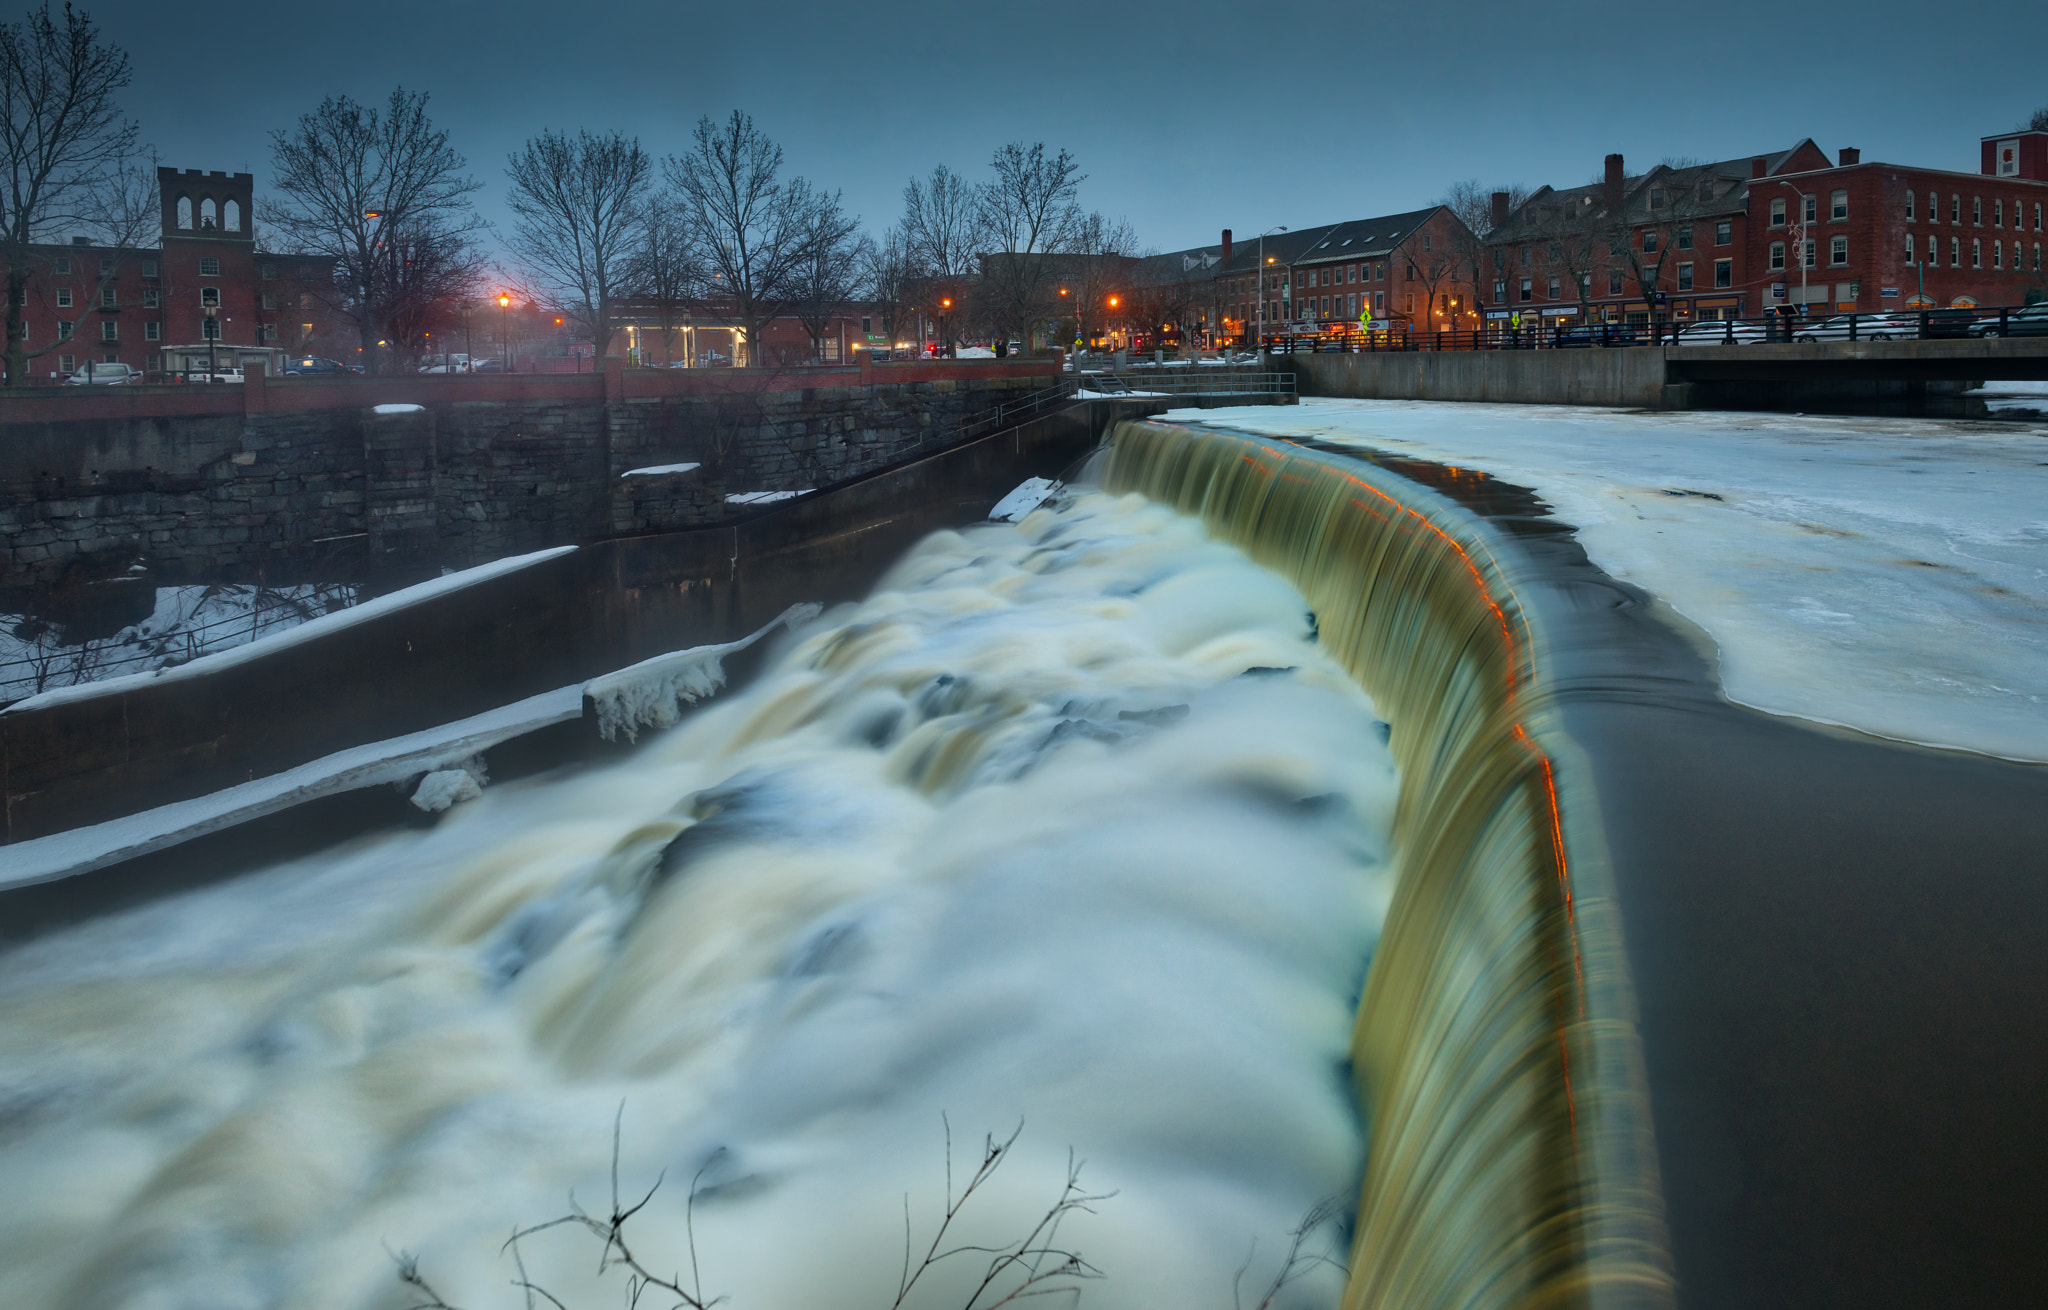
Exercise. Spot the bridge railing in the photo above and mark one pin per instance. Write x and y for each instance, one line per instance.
(1934, 324)
(1155, 380)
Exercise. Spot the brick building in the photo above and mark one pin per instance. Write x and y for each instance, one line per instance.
(125, 304)
(1887, 236)
(1403, 267)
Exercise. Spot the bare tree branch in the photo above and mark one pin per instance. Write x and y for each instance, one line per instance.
(580, 203)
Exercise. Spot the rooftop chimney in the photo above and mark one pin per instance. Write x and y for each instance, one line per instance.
(81, 241)
(1226, 247)
(1612, 189)
(1500, 208)
(1851, 155)
(1759, 166)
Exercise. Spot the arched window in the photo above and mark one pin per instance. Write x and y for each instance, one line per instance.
(185, 211)
(231, 216)
(209, 216)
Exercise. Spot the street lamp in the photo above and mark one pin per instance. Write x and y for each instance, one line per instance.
(1260, 317)
(212, 313)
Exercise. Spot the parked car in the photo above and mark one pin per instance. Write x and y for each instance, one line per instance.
(104, 375)
(1722, 334)
(709, 358)
(314, 365)
(2029, 322)
(1948, 322)
(1862, 327)
(1597, 334)
(487, 366)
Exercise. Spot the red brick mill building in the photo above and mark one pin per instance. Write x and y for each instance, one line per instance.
(125, 305)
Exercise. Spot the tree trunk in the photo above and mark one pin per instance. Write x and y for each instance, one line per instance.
(17, 326)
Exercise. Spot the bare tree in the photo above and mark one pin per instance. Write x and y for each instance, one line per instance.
(1097, 263)
(830, 275)
(434, 273)
(666, 269)
(1480, 263)
(579, 202)
(754, 228)
(942, 231)
(891, 280)
(1028, 213)
(65, 145)
(1437, 268)
(357, 185)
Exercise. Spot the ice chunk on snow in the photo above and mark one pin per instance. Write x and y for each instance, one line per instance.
(445, 787)
(397, 409)
(656, 469)
(652, 692)
(1029, 495)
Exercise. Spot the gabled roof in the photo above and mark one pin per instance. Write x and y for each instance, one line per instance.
(1366, 237)
(1699, 190)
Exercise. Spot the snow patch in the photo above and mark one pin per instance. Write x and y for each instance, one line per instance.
(658, 469)
(1029, 495)
(445, 787)
(307, 631)
(653, 692)
(763, 497)
(398, 409)
(394, 760)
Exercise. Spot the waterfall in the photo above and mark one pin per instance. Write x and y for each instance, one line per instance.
(1509, 1156)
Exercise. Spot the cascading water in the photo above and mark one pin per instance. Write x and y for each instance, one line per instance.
(1510, 1160)
(1072, 822)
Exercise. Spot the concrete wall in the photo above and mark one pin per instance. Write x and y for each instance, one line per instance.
(1622, 377)
(556, 623)
(305, 481)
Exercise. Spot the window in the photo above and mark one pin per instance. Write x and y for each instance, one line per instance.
(1500, 291)
(1685, 237)
(1955, 252)
(209, 297)
(1685, 277)
(1998, 213)
(1976, 253)
(1934, 251)
(269, 301)
(63, 329)
(1838, 251)
(1809, 209)
(270, 334)
(1724, 272)
(1527, 293)
(209, 215)
(1649, 241)
(1613, 281)
(1977, 210)
(1724, 233)
(209, 329)
(1955, 207)
(2037, 256)
(1911, 249)
(63, 297)
(185, 212)
(63, 264)
(1427, 241)
(270, 272)
(1656, 197)
(1778, 212)
(149, 268)
(1909, 206)
(1351, 272)
(149, 297)
(110, 358)
(2037, 216)
(109, 299)
(110, 329)
(1838, 206)
(1556, 289)
(209, 266)
(1998, 254)
(867, 325)
(231, 216)
(1525, 254)
(67, 363)
(152, 331)
(106, 266)
(1807, 253)
(1777, 254)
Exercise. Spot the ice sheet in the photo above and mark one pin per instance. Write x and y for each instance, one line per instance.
(1888, 575)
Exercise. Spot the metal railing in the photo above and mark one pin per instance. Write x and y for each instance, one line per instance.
(1948, 324)
(1196, 380)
